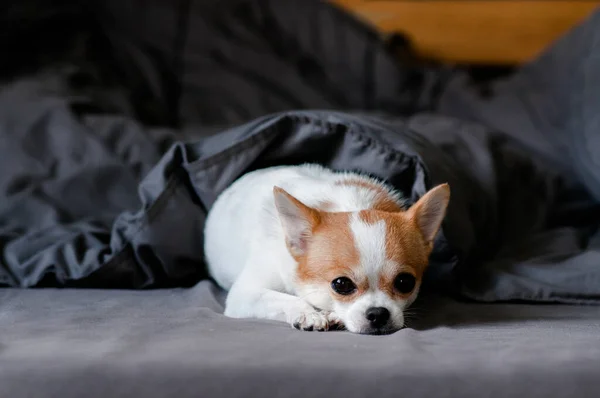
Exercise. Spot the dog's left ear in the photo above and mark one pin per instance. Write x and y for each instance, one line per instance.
(429, 211)
(297, 219)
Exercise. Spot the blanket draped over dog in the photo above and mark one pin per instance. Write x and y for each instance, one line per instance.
(111, 156)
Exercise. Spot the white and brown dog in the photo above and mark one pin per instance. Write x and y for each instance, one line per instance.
(318, 248)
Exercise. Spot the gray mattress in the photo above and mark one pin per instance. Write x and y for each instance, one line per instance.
(176, 343)
(124, 119)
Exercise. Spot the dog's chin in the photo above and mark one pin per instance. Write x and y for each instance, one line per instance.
(376, 331)
(380, 332)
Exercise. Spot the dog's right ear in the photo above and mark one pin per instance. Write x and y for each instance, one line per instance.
(297, 219)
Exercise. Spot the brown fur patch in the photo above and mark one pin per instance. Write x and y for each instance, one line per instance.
(332, 254)
(383, 200)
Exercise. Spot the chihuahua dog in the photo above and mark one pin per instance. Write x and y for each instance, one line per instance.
(321, 249)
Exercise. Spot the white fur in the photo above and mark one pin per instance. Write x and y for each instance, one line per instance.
(353, 314)
(246, 252)
(370, 243)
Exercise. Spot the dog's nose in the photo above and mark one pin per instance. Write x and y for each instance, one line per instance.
(378, 316)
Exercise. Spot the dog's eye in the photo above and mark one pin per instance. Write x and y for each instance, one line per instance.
(343, 286)
(405, 283)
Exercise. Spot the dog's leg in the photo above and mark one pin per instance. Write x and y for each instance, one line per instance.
(252, 302)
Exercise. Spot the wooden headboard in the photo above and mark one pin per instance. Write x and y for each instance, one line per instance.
(477, 31)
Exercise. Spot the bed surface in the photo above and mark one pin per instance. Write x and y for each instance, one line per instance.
(175, 343)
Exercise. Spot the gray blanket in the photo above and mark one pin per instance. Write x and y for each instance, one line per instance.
(111, 159)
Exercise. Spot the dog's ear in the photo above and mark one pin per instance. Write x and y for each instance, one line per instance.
(297, 219)
(429, 211)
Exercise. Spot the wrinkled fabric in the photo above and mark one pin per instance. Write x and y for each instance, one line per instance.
(112, 159)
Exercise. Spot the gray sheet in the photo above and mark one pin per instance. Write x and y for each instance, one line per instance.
(175, 343)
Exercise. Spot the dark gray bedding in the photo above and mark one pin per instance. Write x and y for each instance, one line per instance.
(103, 188)
(111, 155)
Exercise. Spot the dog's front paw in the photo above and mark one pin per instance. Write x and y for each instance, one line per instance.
(317, 321)
(335, 322)
(313, 320)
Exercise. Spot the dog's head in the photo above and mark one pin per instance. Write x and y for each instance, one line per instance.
(367, 266)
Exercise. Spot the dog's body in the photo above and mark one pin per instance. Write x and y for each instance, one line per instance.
(313, 247)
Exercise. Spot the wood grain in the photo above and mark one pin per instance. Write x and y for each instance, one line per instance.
(476, 31)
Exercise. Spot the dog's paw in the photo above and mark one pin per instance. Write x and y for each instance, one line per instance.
(335, 322)
(319, 321)
(312, 321)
